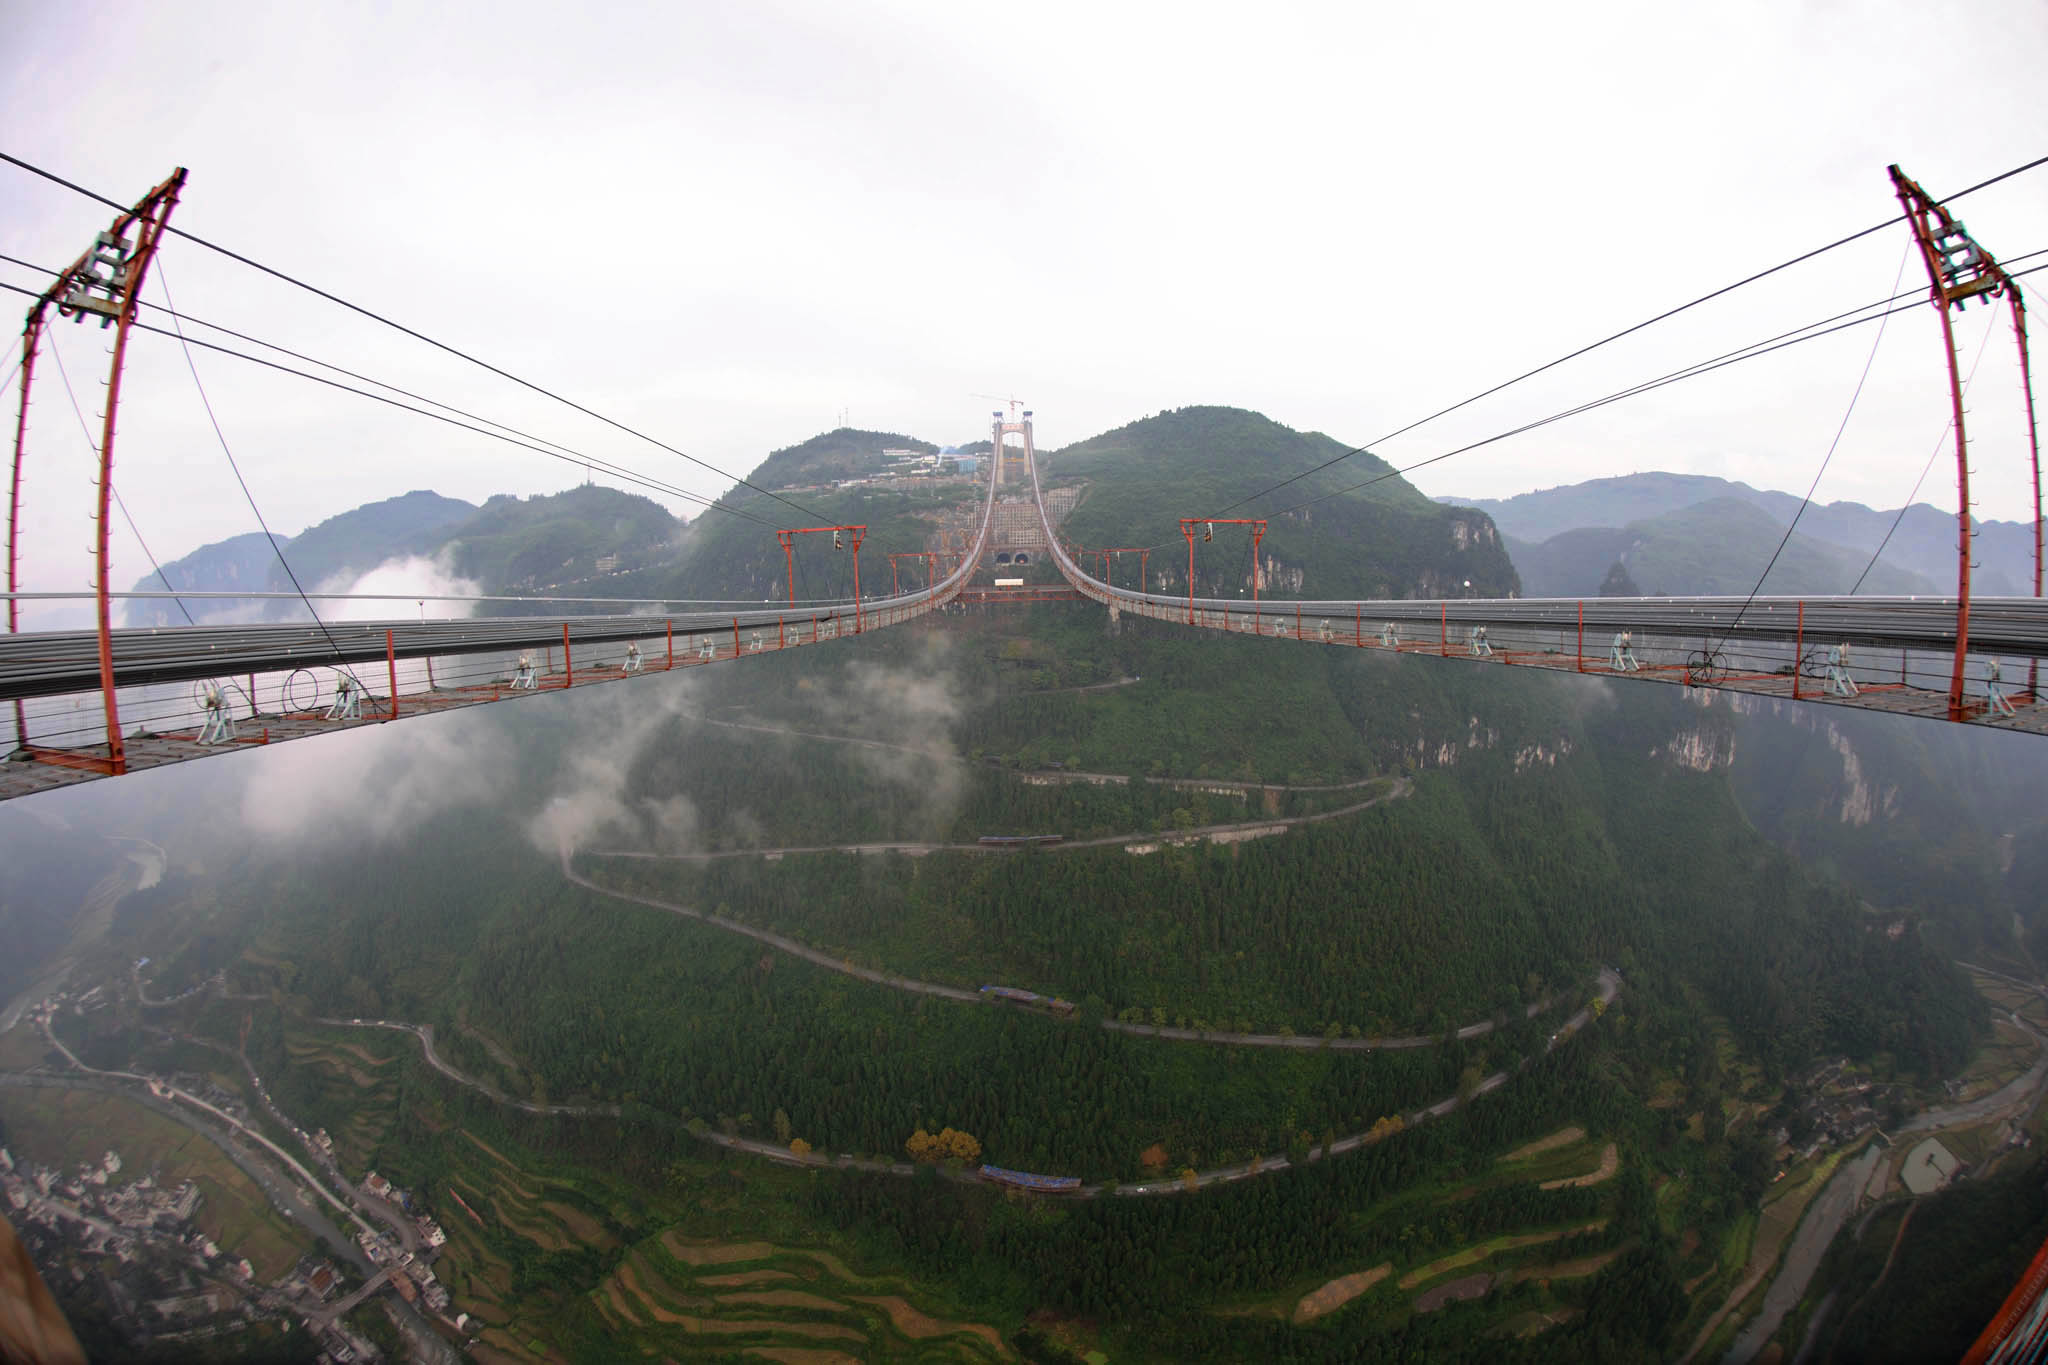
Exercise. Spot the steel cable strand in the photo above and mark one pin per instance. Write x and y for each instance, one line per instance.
(1884, 322)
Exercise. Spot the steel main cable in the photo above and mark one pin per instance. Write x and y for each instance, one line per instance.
(315, 360)
(1644, 386)
(1990, 326)
(615, 471)
(1589, 406)
(1626, 331)
(647, 480)
(120, 502)
(275, 273)
(1807, 501)
(1615, 397)
(340, 664)
(1726, 358)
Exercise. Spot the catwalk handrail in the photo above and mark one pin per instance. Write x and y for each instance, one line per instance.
(2011, 626)
(53, 663)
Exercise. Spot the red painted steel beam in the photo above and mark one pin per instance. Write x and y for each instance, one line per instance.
(787, 538)
(31, 335)
(1954, 277)
(2019, 331)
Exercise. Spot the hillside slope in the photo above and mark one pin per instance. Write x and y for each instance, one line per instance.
(596, 541)
(1717, 546)
(557, 540)
(1924, 544)
(359, 540)
(842, 453)
(1383, 540)
(238, 564)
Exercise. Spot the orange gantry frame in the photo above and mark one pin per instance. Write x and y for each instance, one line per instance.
(1958, 270)
(839, 537)
(1209, 525)
(930, 558)
(104, 282)
(1143, 552)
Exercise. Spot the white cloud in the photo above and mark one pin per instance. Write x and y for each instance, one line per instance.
(379, 782)
(432, 588)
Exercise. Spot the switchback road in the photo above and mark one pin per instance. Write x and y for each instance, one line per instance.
(1398, 789)
(1299, 1042)
(1609, 987)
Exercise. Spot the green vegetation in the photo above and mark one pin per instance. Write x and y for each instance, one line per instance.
(843, 453)
(1962, 1253)
(1383, 540)
(358, 540)
(555, 541)
(1547, 827)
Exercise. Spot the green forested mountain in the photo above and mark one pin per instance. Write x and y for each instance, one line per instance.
(842, 453)
(549, 541)
(731, 558)
(1912, 816)
(357, 541)
(1383, 540)
(352, 542)
(1554, 827)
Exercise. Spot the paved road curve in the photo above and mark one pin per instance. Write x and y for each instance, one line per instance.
(1609, 988)
(1401, 787)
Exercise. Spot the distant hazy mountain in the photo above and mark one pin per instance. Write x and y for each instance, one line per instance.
(1925, 543)
(591, 538)
(1713, 547)
(357, 541)
(237, 564)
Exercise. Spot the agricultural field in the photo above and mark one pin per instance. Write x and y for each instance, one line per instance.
(356, 1074)
(1519, 1263)
(2008, 996)
(1763, 1237)
(552, 1261)
(670, 1289)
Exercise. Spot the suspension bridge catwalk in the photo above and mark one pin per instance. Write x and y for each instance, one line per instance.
(197, 690)
(200, 690)
(1890, 654)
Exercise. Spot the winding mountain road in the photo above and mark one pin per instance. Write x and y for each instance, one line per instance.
(1298, 1042)
(1399, 788)
(1609, 983)
(1044, 776)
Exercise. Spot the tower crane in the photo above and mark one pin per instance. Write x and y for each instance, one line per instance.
(1014, 403)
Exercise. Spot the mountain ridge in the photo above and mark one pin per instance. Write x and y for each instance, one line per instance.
(1923, 544)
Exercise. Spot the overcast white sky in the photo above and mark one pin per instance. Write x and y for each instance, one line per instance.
(727, 223)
